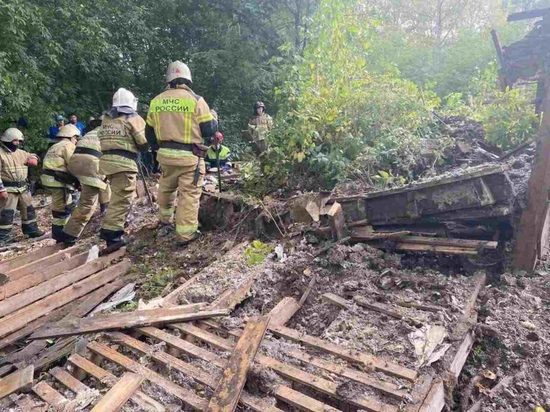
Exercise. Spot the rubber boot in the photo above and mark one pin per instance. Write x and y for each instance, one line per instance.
(113, 238)
(5, 237)
(57, 233)
(32, 230)
(69, 240)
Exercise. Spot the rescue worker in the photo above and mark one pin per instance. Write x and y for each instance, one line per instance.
(84, 165)
(122, 137)
(258, 127)
(218, 155)
(14, 191)
(57, 179)
(177, 122)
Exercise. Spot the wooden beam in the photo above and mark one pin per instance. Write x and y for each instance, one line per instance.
(229, 388)
(125, 320)
(283, 311)
(435, 400)
(347, 354)
(365, 233)
(50, 396)
(119, 394)
(144, 401)
(336, 221)
(449, 250)
(437, 241)
(68, 380)
(233, 297)
(16, 381)
(27, 258)
(530, 244)
(377, 307)
(22, 317)
(72, 264)
(185, 395)
(40, 264)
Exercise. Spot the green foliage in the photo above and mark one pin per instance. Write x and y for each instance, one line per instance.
(335, 113)
(508, 116)
(257, 252)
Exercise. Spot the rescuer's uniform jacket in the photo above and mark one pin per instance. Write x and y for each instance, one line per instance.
(221, 154)
(13, 179)
(54, 167)
(181, 120)
(122, 137)
(84, 165)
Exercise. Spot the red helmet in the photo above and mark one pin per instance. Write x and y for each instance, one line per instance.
(218, 138)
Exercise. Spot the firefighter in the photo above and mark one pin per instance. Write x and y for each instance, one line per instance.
(177, 122)
(84, 165)
(14, 191)
(122, 137)
(258, 127)
(56, 178)
(218, 155)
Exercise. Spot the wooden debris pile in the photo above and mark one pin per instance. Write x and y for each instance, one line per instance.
(460, 213)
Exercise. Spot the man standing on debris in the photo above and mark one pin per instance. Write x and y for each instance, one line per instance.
(14, 192)
(84, 165)
(57, 179)
(258, 127)
(122, 137)
(177, 122)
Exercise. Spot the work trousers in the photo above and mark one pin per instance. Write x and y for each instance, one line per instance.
(180, 180)
(62, 206)
(85, 209)
(23, 203)
(123, 187)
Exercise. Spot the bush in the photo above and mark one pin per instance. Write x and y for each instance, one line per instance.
(335, 115)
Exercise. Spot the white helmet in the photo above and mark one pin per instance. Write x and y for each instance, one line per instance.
(125, 98)
(68, 131)
(12, 134)
(178, 70)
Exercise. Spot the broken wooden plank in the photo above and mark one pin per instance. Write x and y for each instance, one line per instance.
(185, 395)
(50, 396)
(125, 320)
(469, 316)
(16, 381)
(42, 263)
(437, 241)
(346, 372)
(68, 380)
(347, 354)
(119, 394)
(47, 287)
(283, 311)
(72, 264)
(28, 281)
(449, 250)
(290, 372)
(229, 388)
(27, 258)
(461, 355)
(366, 233)
(22, 317)
(435, 400)
(361, 301)
(144, 401)
(172, 298)
(420, 306)
(282, 392)
(187, 369)
(77, 308)
(336, 221)
(418, 393)
(233, 297)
